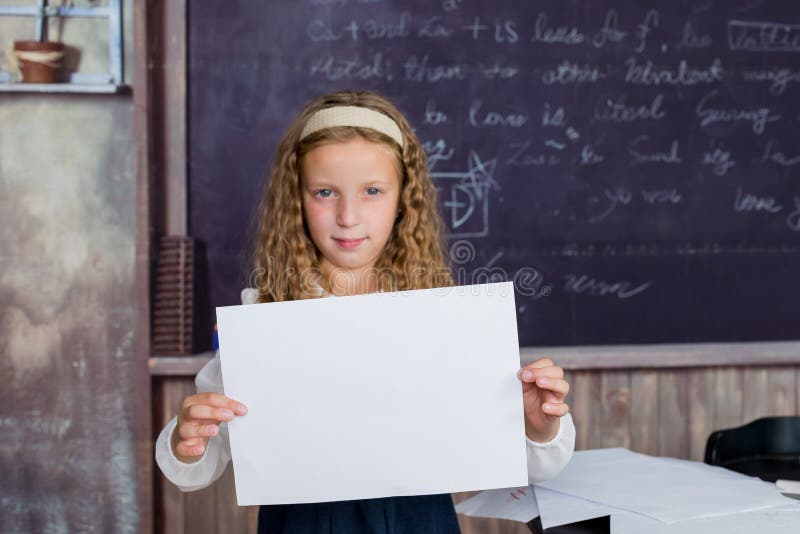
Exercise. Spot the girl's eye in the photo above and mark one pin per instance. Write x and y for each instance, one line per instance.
(324, 193)
(372, 191)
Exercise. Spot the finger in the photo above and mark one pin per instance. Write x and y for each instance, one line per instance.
(548, 372)
(187, 431)
(558, 409)
(541, 362)
(529, 373)
(217, 400)
(191, 447)
(201, 411)
(557, 385)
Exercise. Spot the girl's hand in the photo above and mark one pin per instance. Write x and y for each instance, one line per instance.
(198, 420)
(543, 392)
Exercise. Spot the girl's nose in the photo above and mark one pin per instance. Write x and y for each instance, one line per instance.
(347, 212)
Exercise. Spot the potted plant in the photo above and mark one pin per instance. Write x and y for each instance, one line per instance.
(42, 61)
(37, 61)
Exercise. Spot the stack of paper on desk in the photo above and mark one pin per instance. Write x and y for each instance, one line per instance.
(667, 490)
(654, 495)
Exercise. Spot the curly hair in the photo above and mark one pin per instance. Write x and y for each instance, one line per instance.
(284, 260)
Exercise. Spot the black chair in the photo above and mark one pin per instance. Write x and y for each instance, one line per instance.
(768, 448)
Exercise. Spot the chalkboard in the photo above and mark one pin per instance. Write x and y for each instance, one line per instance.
(633, 166)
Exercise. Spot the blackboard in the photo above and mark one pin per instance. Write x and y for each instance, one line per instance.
(633, 166)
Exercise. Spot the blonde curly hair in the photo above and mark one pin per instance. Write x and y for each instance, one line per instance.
(285, 262)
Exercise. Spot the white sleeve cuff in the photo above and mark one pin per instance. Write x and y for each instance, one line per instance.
(546, 460)
(559, 436)
(189, 476)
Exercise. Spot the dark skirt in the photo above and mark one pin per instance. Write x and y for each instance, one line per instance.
(433, 514)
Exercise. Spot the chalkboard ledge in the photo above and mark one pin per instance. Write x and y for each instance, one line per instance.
(178, 365)
(591, 357)
(668, 355)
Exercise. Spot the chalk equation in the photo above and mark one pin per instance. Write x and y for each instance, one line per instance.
(464, 196)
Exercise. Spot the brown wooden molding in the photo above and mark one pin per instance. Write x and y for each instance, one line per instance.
(666, 356)
(671, 355)
(143, 142)
(178, 365)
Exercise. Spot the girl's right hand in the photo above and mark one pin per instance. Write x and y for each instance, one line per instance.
(198, 420)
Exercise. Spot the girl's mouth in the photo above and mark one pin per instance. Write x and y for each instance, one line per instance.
(349, 243)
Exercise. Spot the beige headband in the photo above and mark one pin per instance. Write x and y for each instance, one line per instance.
(352, 116)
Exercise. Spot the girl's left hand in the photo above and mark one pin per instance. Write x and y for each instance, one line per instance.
(543, 392)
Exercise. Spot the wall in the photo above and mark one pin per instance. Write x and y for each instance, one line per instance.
(69, 452)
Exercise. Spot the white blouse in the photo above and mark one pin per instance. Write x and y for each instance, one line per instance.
(545, 460)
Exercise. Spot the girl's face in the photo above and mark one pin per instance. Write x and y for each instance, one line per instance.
(350, 193)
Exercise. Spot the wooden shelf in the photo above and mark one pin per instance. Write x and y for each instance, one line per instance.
(178, 365)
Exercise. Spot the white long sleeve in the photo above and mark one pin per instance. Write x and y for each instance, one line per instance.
(197, 475)
(200, 474)
(545, 460)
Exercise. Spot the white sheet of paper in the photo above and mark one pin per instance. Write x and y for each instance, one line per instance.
(788, 486)
(516, 504)
(665, 489)
(556, 509)
(773, 520)
(384, 394)
(560, 509)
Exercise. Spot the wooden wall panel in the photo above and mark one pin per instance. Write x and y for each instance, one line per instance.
(728, 397)
(615, 429)
(700, 404)
(586, 408)
(170, 502)
(644, 419)
(783, 385)
(673, 414)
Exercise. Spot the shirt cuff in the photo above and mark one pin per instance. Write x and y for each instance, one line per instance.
(552, 442)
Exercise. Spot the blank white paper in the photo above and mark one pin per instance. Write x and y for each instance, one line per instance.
(385, 394)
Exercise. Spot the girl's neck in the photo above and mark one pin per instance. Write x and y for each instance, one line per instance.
(350, 282)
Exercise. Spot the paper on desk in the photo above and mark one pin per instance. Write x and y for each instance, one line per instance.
(789, 486)
(781, 519)
(525, 503)
(560, 509)
(666, 490)
(375, 395)
(516, 504)
(556, 509)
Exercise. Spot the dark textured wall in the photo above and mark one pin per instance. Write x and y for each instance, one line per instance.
(67, 314)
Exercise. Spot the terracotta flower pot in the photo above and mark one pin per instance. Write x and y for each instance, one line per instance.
(39, 62)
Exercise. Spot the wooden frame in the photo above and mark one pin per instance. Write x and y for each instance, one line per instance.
(79, 82)
(142, 99)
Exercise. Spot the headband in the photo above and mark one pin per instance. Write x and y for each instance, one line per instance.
(352, 116)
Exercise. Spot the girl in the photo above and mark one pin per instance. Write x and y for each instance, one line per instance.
(350, 208)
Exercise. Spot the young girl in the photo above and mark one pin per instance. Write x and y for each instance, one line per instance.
(350, 208)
